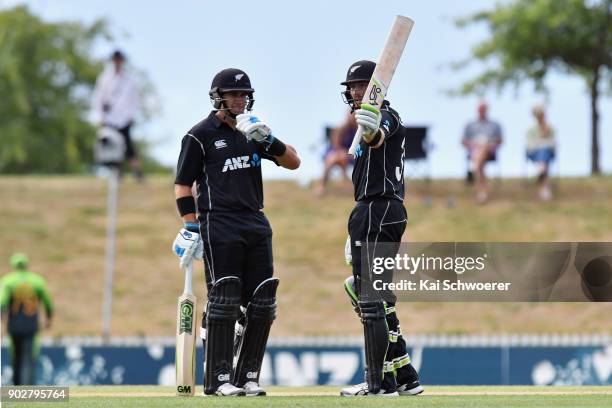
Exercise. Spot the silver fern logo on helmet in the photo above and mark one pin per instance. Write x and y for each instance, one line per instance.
(238, 77)
(355, 68)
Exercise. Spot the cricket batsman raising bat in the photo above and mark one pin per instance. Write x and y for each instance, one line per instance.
(379, 217)
(381, 79)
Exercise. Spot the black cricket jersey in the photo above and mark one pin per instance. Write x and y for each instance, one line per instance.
(225, 166)
(379, 173)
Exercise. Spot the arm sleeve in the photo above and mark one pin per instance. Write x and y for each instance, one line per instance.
(191, 161)
(390, 125)
(5, 293)
(132, 104)
(44, 296)
(467, 132)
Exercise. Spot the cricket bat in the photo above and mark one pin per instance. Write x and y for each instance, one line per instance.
(185, 338)
(385, 68)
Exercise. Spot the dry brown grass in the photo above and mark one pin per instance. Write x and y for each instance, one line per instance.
(60, 223)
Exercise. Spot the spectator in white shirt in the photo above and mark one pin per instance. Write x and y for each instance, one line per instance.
(481, 138)
(116, 102)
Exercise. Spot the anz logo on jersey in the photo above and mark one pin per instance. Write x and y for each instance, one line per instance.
(241, 162)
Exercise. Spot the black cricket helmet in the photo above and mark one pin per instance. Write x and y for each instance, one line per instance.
(230, 80)
(360, 71)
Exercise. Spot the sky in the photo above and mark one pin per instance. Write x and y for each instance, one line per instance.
(297, 53)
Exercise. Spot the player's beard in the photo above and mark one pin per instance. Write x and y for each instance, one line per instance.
(230, 112)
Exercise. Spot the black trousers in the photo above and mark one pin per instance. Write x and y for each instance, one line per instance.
(237, 243)
(372, 223)
(376, 228)
(23, 359)
(130, 150)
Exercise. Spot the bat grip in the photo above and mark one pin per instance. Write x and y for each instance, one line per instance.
(188, 278)
(356, 141)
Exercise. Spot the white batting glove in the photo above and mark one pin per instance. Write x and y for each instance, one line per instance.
(252, 127)
(348, 255)
(188, 246)
(368, 117)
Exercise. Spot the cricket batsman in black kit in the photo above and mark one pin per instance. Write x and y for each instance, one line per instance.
(222, 154)
(378, 217)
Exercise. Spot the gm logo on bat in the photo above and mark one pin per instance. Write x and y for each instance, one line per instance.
(186, 316)
(183, 389)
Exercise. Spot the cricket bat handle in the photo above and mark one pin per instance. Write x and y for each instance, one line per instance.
(189, 278)
(356, 141)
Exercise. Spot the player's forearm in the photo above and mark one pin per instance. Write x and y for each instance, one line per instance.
(182, 194)
(289, 159)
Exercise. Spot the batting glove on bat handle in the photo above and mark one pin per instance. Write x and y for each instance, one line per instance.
(188, 246)
(368, 118)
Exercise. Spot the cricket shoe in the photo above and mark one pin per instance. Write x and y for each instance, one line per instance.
(362, 390)
(414, 388)
(409, 381)
(229, 390)
(253, 389)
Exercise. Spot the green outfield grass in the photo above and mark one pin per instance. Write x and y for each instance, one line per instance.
(60, 222)
(447, 397)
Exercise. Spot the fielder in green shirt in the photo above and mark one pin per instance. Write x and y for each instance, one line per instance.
(21, 294)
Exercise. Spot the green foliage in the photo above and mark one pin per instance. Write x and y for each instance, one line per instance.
(529, 38)
(46, 73)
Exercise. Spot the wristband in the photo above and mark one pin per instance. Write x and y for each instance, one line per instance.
(274, 146)
(374, 142)
(192, 227)
(186, 205)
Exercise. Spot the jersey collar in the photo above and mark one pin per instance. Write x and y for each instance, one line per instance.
(215, 120)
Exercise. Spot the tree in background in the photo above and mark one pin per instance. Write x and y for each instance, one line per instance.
(47, 73)
(530, 38)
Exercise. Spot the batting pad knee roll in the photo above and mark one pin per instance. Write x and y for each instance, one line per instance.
(224, 299)
(260, 313)
(372, 310)
(263, 303)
